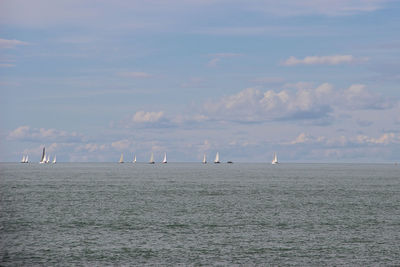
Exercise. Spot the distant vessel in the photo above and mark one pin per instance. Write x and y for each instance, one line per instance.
(217, 158)
(48, 159)
(43, 158)
(230, 162)
(204, 159)
(165, 158)
(134, 159)
(275, 160)
(24, 159)
(121, 159)
(54, 159)
(151, 158)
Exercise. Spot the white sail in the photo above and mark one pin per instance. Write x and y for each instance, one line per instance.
(43, 158)
(26, 159)
(54, 159)
(151, 158)
(204, 159)
(48, 159)
(23, 159)
(216, 158)
(275, 159)
(121, 159)
(134, 159)
(165, 158)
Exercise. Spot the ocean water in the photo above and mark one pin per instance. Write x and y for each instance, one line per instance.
(194, 214)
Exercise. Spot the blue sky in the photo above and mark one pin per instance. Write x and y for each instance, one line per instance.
(313, 80)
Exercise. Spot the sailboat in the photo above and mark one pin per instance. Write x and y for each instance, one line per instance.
(151, 158)
(134, 159)
(23, 160)
(43, 158)
(216, 158)
(48, 159)
(54, 159)
(26, 159)
(275, 160)
(121, 159)
(165, 158)
(204, 159)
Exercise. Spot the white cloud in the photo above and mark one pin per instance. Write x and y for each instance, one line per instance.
(301, 139)
(322, 60)
(145, 120)
(26, 133)
(320, 7)
(219, 56)
(91, 147)
(121, 144)
(4, 43)
(213, 62)
(7, 65)
(189, 118)
(357, 97)
(147, 117)
(384, 139)
(252, 105)
(305, 103)
(343, 141)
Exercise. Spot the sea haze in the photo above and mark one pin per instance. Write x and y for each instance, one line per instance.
(199, 214)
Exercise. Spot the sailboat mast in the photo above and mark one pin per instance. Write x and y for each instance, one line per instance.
(42, 160)
(151, 158)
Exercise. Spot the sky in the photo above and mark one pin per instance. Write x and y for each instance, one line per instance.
(313, 80)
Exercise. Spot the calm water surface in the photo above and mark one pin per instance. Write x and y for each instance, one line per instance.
(195, 214)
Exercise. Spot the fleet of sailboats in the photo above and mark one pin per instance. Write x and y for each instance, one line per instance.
(25, 159)
(46, 158)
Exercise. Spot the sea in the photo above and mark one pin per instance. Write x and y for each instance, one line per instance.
(193, 214)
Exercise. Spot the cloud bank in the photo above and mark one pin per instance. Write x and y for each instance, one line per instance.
(26, 133)
(4, 43)
(322, 60)
(304, 103)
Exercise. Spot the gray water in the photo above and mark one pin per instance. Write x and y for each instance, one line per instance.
(196, 214)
